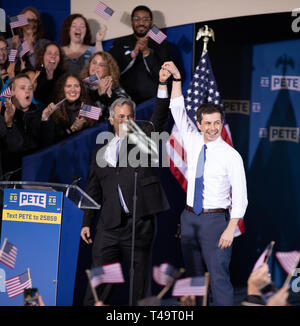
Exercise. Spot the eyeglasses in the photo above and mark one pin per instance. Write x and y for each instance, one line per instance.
(144, 19)
(3, 49)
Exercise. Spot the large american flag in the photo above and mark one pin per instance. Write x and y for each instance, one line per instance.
(16, 285)
(8, 254)
(288, 260)
(110, 273)
(89, 111)
(103, 10)
(18, 21)
(164, 274)
(190, 286)
(156, 34)
(203, 89)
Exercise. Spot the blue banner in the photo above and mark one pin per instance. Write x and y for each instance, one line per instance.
(274, 149)
(31, 222)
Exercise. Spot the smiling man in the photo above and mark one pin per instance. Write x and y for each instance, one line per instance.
(216, 183)
(139, 57)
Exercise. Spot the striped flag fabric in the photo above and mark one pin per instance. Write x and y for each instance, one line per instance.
(202, 89)
(110, 273)
(91, 80)
(190, 286)
(89, 111)
(263, 258)
(16, 285)
(288, 260)
(103, 10)
(156, 34)
(8, 254)
(18, 21)
(164, 274)
(6, 93)
(24, 49)
(12, 55)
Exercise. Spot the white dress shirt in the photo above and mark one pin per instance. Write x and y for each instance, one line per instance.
(111, 156)
(224, 175)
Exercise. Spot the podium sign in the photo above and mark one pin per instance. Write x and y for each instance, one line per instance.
(31, 221)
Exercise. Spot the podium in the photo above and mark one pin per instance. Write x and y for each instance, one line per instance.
(40, 237)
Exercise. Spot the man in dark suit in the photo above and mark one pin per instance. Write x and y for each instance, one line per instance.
(139, 57)
(112, 185)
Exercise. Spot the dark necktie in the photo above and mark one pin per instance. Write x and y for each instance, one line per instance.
(198, 195)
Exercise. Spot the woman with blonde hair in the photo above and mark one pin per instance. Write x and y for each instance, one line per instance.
(107, 88)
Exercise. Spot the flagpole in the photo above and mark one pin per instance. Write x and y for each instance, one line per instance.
(206, 284)
(3, 246)
(88, 273)
(169, 284)
(206, 33)
(269, 252)
(29, 277)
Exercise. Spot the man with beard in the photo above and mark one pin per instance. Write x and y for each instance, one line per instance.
(139, 57)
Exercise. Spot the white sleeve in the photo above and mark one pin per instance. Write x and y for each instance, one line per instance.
(237, 178)
(185, 127)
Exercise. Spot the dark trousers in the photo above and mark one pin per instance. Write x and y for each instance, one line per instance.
(114, 245)
(200, 236)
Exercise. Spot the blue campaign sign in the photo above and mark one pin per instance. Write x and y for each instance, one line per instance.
(31, 221)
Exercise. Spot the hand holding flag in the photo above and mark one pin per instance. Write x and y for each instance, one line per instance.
(264, 257)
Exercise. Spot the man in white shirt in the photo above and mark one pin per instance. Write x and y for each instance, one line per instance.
(207, 235)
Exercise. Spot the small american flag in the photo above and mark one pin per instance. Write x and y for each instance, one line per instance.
(288, 260)
(103, 10)
(6, 93)
(89, 111)
(16, 285)
(18, 21)
(24, 49)
(12, 55)
(164, 273)
(91, 80)
(156, 34)
(111, 273)
(190, 286)
(263, 258)
(8, 254)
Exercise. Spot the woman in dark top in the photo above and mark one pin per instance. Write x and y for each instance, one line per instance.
(66, 118)
(108, 89)
(50, 62)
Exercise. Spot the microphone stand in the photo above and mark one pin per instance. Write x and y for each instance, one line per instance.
(131, 272)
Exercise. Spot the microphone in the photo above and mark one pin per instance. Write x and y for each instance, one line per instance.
(7, 175)
(76, 180)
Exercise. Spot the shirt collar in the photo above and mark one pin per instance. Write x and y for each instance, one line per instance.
(214, 143)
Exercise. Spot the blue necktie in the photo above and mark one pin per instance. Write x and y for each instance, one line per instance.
(198, 195)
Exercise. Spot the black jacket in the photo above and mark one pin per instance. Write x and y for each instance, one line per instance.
(139, 77)
(102, 184)
(27, 135)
